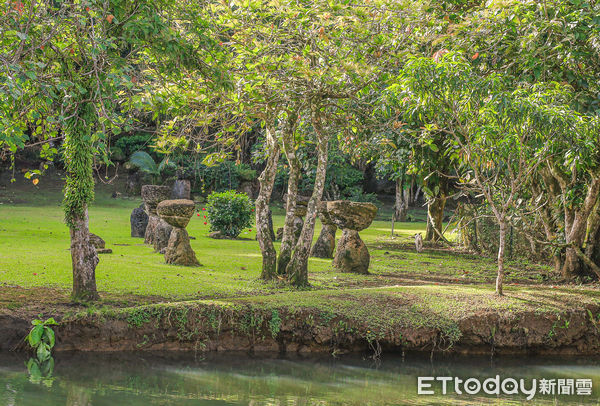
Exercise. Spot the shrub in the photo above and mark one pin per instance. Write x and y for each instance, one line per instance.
(129, 144)
(229, 212)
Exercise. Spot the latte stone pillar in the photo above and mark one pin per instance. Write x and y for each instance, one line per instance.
(182, 189)
(325, 244)
(352, 254)
(152, 195)
(178, 213)
(138, 221)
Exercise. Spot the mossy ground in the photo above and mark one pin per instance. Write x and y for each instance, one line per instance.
(405, 288)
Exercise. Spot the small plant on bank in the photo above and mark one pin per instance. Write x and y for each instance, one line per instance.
(229, 212)
(41, 338)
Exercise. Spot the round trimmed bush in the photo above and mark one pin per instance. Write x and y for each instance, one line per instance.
(229, 212)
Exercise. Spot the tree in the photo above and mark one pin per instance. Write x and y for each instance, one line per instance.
(503, 137)
(534, 42)
(290, 60)
(71, 71)
(347, 50)
(541, 42)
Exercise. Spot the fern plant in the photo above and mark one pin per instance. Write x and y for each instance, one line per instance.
(145, 163)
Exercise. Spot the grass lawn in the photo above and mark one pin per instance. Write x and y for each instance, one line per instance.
(34, 256)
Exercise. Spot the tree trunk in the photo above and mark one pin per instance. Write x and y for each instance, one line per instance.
(572, 265)
(576, 220)
(297, 269)
(78, 153)
(410, 192)
(435, 218)
(288, 238)
(401, 203)
(593, 249)
(501, 248)
(84, 260)
(263, 234)
(575, 234)
(592, 244)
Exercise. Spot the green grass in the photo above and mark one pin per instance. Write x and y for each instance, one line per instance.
(434, 289)
(34, 253)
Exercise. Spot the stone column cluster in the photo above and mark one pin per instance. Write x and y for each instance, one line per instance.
(152, 195)
(168, 211)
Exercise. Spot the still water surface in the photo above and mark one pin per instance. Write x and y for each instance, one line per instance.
(183, 379)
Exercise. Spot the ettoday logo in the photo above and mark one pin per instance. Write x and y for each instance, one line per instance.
(429, 385)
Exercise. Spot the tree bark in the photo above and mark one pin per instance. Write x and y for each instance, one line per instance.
(592, 245)
(401, 203)
(288, 238)
(297, 269)
(78, 153)
(263, 234)
(576, 225)
(84, 259)
(501, 248)
(435, 218)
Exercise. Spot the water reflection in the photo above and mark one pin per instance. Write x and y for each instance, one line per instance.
(40, 372)
(182, 379)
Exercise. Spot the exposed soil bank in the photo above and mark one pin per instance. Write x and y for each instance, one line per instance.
(225, 326)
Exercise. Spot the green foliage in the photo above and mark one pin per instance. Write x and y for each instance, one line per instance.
(41, 338)
(229, 212)
(343, 180)
(356, 194)
(78, 155)
(129, 144)
(245, 173)
(220, 177)
(275, 323)
(145, 163)
(536, 42)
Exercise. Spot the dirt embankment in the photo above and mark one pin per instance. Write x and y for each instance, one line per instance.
(215, 327)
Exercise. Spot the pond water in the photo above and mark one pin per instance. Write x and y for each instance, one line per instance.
(184, 379)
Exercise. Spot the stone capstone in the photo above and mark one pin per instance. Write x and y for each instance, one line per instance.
(152, 195)
(324, 214)
(176, 212)
(351, 215)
